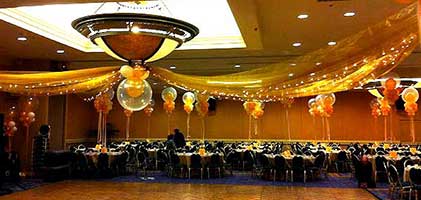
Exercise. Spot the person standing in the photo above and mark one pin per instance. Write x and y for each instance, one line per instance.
(179, 139)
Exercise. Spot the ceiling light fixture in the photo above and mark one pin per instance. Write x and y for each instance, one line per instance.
(173, 67)
(302, 16)
(349, 14)
(60, 51)
(292, 64)
(21, 38)
(296, 44)
(291, 74)
(149, 37)
(331, 43)
(237, 66)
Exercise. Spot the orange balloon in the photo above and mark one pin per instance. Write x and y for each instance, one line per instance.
(390, 84)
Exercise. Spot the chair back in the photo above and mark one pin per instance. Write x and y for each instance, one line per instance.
(103, 161)
(380, 160)
(280, 163)
(298, 163)
(320, 159)
(196, 161)
(408, 162)
(393, 175)
(415, 176)
(342, 156)
(215, 160)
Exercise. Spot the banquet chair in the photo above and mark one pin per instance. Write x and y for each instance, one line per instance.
(196, 164)
(415, 180)
(249, 160)
(162, 159)
(174, 164)
(122, 162)
(354, 166)
(215, 164)
(319, 163)
(395, 183)
(141, 164)
(263, 168)
(232, 159)
(399, 164)
(380, 167)
(280, 168)
(298, 165)
(103, 165)
(341, 162)
(81, 166)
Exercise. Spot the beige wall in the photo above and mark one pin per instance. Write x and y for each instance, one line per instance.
(351, 121)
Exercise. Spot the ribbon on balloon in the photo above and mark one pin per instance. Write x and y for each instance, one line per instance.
(103, 105)
(202, 109)
(148, 112)
(410, 97)
(169, 95)
(287, 102)
(188, 100)
(128, 114)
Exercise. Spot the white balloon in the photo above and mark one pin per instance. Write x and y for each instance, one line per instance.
(31, 115)
(134, 103)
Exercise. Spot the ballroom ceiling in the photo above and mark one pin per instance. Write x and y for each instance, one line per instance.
(268, 27)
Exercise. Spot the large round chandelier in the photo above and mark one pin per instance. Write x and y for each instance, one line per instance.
(135, 38)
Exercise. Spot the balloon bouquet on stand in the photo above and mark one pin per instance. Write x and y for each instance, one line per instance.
(254, 110)
(27, 116)
(391, 93)
(10, 127)
(169, 95)
(410, 97)
(188, 100)
(375, 112)
(103, 104)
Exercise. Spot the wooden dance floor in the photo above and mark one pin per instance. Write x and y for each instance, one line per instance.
(80, 190)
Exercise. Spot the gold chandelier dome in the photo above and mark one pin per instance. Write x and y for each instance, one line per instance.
(135, 38)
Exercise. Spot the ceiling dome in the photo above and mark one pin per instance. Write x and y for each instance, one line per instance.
(132, 37)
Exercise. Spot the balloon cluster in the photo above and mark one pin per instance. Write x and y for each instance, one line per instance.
(103, 103)
(28, 106)
(134, 86)
(254, 108)
(375, 108)
(390, 90)
(149, 109)
(322, 105)
(169, 95)
(384, 106)
(188, 100)
(410, 96)
(202, 105)
(9, 124)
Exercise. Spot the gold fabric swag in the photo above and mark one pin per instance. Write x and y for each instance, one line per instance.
(353, 62)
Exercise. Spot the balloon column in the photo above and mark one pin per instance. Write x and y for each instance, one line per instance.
(390, 95)
(254, 110)
(27, 116)
(410, 96)
(169, 95)
(10, 126)
(202, 108)
(188, 100)
(134, 93)
(103, 105)
(148, 112)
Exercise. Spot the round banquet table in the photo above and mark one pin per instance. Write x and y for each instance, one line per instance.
(112, 156)
(308, 160)
(185, 158)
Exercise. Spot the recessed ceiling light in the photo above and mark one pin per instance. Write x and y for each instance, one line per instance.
(302, 16)
(154, 83)
(349, 14)
(21, 38)
(318, 63)
(312, 74)
(135, 29)
(173, 67)
(237, 66)
(296, 44)
(292, 64)
(331, 43)
(60, 51)
(291, 74)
